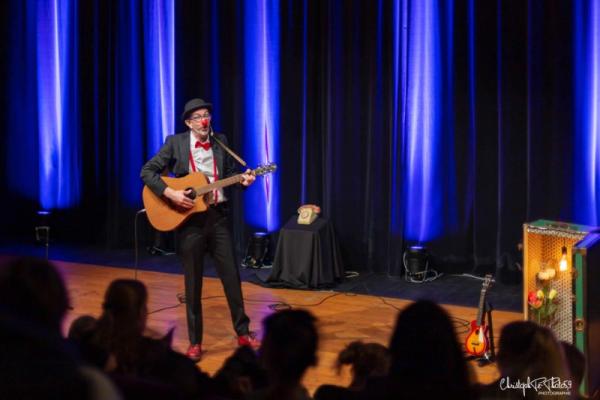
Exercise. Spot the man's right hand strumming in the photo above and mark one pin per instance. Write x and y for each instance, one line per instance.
(179, 198)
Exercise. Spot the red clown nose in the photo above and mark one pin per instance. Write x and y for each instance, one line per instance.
(205, 122)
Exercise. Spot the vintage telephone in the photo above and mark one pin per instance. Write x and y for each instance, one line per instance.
(308, 213)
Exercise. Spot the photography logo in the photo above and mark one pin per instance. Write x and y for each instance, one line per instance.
(543, 386)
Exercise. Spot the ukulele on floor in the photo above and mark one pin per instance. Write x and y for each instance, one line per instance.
(478, 342)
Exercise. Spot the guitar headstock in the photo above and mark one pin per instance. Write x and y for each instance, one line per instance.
(265, 169)
(487, 281)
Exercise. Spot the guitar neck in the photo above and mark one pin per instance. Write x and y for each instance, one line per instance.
(480, 310)
(221, 183)
(484, 288)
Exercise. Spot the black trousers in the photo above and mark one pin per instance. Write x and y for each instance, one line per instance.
(209, 232)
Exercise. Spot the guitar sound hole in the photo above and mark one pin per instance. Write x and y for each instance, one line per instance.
(192, 193)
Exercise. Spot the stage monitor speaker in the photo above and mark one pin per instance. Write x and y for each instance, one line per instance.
(566, 258)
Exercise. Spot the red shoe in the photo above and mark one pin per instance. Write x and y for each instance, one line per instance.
(194, 352)
(249, 340)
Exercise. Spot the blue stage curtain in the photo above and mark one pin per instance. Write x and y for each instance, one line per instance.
(93, 90)
(261, 112)
(42, 122)
(445, 123)
(586, 195)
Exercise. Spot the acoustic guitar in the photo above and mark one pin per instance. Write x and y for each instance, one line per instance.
(478, 342)
(165, 216)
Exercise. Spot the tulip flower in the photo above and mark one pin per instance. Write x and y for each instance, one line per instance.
(532, 297)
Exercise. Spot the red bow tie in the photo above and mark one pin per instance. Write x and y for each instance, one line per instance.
(205, 145)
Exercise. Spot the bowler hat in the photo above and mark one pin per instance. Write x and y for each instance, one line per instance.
(193, 105)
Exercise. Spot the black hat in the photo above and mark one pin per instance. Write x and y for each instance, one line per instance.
(193, 105)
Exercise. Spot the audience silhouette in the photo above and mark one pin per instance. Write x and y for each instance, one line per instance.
(527, 351)
(576, 364)
(134, 359)
(367, 360)
(36, 362)
(424, 360)
(288, 349)
(240, 375)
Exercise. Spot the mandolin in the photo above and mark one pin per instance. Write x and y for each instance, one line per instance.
(165, 216)
(477, 342)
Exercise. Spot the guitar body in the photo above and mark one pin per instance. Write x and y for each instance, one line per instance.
(477, 342)
(163, 215)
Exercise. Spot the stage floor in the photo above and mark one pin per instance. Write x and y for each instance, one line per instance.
(343, 317)
(460, 290)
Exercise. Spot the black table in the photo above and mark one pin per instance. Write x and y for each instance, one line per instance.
(307, 256)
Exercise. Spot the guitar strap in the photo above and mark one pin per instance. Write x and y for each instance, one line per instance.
(227, 149)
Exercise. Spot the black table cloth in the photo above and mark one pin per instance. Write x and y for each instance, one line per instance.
(307, 256)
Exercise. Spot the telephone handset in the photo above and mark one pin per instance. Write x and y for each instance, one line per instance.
(308, 213)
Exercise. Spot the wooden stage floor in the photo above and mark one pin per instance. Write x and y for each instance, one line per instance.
(342, 317)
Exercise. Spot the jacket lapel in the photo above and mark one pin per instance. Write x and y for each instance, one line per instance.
(183, 153)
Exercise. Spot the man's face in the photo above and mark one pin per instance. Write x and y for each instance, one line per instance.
(199, 121)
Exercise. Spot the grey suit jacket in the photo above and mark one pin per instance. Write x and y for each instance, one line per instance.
(174, 156)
